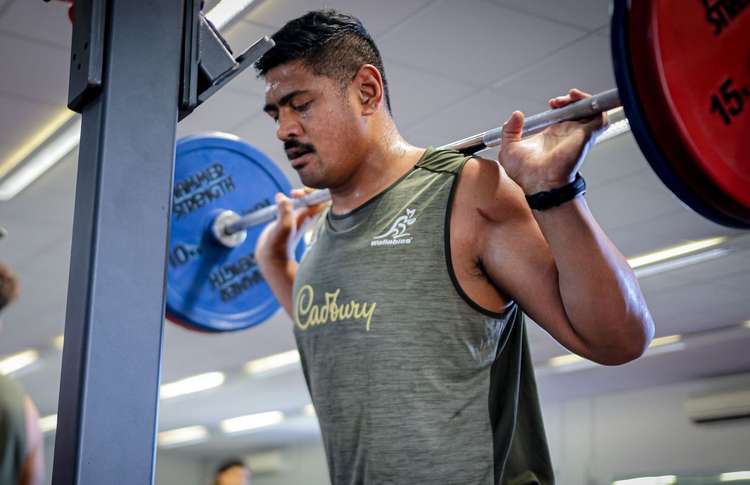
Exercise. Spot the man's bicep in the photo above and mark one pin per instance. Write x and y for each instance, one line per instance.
(518, 260)
(513, 251)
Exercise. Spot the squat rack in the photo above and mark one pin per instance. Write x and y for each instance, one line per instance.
(137, 67)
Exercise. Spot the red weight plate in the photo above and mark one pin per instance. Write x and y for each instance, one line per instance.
(678, 166)
(634, 70)
(692, 63)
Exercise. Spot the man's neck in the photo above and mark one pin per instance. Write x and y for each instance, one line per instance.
(386, 160)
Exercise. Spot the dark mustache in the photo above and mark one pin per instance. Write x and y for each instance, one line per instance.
(298, 147)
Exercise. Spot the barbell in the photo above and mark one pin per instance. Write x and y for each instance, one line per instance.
(683, 81)
(229, 227)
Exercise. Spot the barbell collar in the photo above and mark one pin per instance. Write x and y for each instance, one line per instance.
(219, 229)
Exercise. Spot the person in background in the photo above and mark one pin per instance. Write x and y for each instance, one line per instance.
(233, 472)
(21, 455)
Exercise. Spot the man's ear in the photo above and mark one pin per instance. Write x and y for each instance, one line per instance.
(368, 85)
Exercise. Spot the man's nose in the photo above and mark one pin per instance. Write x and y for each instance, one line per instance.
(288, 128)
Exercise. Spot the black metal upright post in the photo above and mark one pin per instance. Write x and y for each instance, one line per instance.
(108, 405)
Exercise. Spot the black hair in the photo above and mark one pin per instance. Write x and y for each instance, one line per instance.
(330, 43)
(8, 286)
(231, 463)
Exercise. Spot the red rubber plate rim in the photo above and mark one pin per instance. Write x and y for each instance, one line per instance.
(682, 64)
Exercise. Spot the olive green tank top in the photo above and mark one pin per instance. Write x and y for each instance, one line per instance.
(412, 382)
(12, 430)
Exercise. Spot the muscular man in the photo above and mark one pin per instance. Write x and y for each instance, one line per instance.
(21, 460)
(407, 306)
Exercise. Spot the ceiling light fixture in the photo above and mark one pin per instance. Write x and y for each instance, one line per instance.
(678, 263)
(309, 410)
(669, 339)
(569, 362)
(226, 11)
(58, 342)
(251, 421)
(565, 360)
(48, 423)
(181, 436)
(41, 160)
(662, 480)
(36, 141)
(190, 385)
(668, 343)
(674, 251)
(14, 363)
(272, 362)
(734, 476)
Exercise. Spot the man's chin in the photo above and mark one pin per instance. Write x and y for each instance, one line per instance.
(310, 179)
(313, 183)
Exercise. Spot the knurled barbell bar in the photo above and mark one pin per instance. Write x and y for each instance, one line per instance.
(229, 227)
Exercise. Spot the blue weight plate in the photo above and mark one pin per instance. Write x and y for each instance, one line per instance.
(211, 287)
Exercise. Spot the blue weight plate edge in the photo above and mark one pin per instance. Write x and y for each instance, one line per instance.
(232, 142)
(621, 56)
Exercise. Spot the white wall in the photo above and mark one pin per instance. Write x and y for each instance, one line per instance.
(301, 464)
(596, 440)
(173, 470)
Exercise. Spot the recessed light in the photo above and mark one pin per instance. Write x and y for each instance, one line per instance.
(180, 436)
(38, 162)
(272, 362)
(661, 480)
(251, 421)
(14, 363)
(734, 476)
(674, 251)
(48, 423)
(666, 340)
(58, 342)
(189, 385)
(37, 140)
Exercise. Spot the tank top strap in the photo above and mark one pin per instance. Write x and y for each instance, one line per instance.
(446, 161)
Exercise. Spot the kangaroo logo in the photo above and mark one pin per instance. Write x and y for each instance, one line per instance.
(397, 234)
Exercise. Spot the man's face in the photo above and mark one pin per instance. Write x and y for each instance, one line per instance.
(317, 122)
(237, 475)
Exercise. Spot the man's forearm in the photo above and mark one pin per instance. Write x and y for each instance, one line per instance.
(279, 274)
(599, 291)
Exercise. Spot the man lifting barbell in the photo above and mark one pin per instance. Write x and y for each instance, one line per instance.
(407, 305)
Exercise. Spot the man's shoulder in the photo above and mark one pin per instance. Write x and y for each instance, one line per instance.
(441, 160)
(12, 397)
(490, 192)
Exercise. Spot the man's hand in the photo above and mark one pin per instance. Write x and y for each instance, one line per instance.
(275, 246)
(550, 159)
(275, 242)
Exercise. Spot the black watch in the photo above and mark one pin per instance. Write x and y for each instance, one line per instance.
(555, 197)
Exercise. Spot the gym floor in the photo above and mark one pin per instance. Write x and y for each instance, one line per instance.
(603, 423)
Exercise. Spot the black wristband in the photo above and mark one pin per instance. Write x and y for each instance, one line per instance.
(555, 197)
